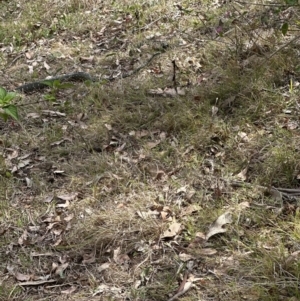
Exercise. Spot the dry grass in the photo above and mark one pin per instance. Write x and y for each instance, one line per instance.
(122, 165)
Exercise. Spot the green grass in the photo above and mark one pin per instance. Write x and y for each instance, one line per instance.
(139, 161)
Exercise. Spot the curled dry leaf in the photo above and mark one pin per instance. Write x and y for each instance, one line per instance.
(185, 257)
(173, 230)
(242, 175)
(61, 268)
(103, 266)
(88, 258)
(218, 226)
(49, 199)
(22, 277)
(294, 257)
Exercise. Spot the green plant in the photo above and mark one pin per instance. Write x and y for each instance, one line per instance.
(55, 86)
(7, 108)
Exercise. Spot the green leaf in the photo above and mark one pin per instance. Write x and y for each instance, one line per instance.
(284, 28)
(48, 83)
(11, 111)
(9, 97)
(4, 116)
(50, 97)
(291, 2)
(2, 93)
(56, 84)
(65, 86)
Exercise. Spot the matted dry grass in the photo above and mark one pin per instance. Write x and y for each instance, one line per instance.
(107, 192)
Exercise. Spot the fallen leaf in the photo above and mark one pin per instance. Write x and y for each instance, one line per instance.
(185, 257)
(242, 175)
(33, 115)
(207, 252)
(63, 205)
(103, 267)
(68, 197)
(151, 145)
(68, 291)
(23, 238)
(217, 226)
(88, 258)
(60, 269)
(22, 277)
(49, 199)
(69, 217)
(173, 230)
(294, 257)
(47, 67)
(214, 111)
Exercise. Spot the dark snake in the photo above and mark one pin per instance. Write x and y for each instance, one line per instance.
(76, 76)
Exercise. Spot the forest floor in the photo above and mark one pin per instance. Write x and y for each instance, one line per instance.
(167, 177)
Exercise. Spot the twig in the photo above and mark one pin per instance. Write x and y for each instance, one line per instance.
(185, 285)
(283, 46)
(174, 75)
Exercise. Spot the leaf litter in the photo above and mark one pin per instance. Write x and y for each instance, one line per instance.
(148, 149)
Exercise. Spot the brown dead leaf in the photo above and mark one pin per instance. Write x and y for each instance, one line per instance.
(29, 55)
(108, 126)
(69, 217)
(207, 252)
(88, 258)
(63, 205)
(242, 175)
(23, 239)
(49, 199)
(47, 67)
(185, 257)
(218, 226)
(103, 267)
(173, 230)
(294, 257)
(86, 59)
(69, 291)
(33, 115)
(57, 243)
(120, 258)
(167, 92)
(190, 209)
(59, 269)
(22, 277)
(153, 144)
(68, 197)
(242, 206)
